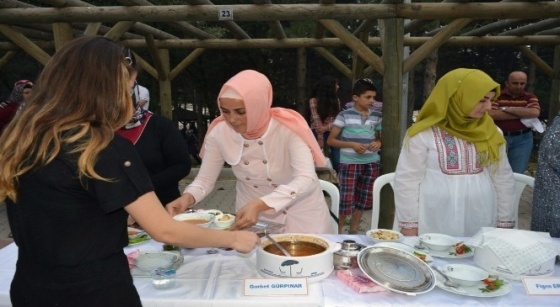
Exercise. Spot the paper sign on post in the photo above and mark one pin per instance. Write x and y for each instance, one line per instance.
(225, 13)
(542, 285)
(275, 286)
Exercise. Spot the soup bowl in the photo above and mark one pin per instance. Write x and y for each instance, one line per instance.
(311, 257)
(196, 218)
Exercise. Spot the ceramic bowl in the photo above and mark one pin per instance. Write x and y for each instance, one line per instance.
(437, 241)
(224, 220)
(384, 235)
(197, 218)
(464, 275)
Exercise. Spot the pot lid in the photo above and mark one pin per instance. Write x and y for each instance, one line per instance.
(396, 270)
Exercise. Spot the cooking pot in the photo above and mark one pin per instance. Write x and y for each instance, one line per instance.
(312, 257)
(347, 256)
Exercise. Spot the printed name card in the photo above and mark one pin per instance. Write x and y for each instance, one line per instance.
(275, 286)
(542, 286)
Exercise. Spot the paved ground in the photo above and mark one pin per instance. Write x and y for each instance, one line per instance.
(223, 198)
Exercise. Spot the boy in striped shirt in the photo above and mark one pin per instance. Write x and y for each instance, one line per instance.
(359, 129)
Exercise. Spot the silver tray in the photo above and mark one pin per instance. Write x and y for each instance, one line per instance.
(396, 270)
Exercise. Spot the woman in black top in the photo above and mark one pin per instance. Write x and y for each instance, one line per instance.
(69, 183)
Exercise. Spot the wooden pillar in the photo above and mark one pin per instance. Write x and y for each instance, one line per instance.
(165, 99)
(554, 107)
(62, 34)
(301, 78)
(392, 46)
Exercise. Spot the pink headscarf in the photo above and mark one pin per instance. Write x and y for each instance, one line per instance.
(256, 92)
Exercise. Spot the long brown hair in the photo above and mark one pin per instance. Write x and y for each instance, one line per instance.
(79, 100)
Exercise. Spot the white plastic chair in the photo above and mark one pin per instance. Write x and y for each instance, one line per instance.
(521, 181)
(334, 194)
(378, 184)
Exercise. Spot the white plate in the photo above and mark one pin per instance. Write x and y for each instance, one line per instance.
(450, 253)
(474, 291)
(406, 248)
(370, 233)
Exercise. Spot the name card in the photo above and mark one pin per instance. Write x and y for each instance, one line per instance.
(275, 286)
(542, 285)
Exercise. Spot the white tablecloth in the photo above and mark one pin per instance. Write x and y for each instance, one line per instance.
(217, 280)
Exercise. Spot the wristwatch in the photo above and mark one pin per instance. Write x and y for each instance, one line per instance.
(503, 109)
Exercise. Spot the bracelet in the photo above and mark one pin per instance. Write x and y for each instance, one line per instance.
(408, 225)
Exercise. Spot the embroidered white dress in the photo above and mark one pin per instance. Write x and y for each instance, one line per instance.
(440, 185)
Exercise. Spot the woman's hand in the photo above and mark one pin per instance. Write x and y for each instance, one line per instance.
(180, 205)
(249, 214)
(244, 241)
(359, 148)
(411, 232)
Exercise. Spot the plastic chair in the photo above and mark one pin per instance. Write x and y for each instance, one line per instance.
(378, 184)
(521, 181)
(334, 194)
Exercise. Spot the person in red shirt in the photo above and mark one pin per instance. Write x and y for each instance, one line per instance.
(21, 92)
(513, 105)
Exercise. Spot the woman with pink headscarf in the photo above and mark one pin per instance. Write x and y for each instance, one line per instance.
(272, 153)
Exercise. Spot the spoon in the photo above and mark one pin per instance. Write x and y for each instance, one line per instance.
(447, 283)
(280, 247)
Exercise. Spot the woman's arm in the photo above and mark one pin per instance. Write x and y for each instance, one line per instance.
(504, 184)
(148, 212)
(410, 171)
(204, 181)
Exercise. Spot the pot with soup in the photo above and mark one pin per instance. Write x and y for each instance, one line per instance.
(311, 257)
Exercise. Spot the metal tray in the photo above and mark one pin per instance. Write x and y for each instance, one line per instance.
(396, 270)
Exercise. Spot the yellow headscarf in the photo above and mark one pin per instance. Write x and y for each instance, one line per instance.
(448, 107)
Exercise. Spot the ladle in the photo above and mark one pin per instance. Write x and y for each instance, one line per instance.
(280, 247)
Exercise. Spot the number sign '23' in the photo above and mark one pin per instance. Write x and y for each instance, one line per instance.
(225, 13)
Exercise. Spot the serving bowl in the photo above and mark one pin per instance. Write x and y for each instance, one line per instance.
(201, 219)
(224, 220)
(311, 257)
(384, 235)
(151, 260)
(437, 241)
(464, 275)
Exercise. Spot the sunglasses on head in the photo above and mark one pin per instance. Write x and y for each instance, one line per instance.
(128, 59)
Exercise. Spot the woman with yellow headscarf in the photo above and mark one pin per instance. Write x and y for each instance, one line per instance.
(453, 176)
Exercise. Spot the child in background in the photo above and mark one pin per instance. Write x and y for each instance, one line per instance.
(359, 130)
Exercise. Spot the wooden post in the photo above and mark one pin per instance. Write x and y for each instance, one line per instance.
(26, 44)
(554, 106)
(301, 78)
(62, 34)
(534, 58)
(392, 46)
(165, 99)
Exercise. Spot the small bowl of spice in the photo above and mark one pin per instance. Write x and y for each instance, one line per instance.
(224, 220)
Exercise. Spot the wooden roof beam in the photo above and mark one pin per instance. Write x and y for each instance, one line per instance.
(185, 63)
(119, 29)
(24, 43)
(140, 27)
(146, 66)
(275, 26)
(5, 59)
(180, 25)
(555, 31)
(534, 27)
(319, 28)
(62, 34)
(473, 41)
(331, 58)
(158, 63)
(495, 26)
(354, 43)
(244, 12)
(540, 63)
(438, 40)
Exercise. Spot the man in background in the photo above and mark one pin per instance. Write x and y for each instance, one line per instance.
(512, 106)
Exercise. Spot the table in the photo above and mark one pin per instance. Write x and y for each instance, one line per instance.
(217, 280)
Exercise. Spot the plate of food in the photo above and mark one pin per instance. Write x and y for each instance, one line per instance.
(384, 235)
(492, 286)
(444, 246)
(137, 236)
